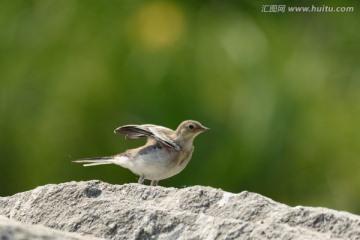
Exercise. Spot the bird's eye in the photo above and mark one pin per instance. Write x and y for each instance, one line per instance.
(191, 127)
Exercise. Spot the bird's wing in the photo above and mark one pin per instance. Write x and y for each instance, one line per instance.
(160, 134)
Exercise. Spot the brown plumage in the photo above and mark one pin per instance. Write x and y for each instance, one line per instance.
(165, 154)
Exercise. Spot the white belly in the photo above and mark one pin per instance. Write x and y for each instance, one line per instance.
(157, 164)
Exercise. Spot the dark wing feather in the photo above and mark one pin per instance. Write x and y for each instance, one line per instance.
(133, 132)
(136, 131)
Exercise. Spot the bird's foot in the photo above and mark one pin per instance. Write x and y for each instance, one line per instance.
(141, 179)
(154, 183)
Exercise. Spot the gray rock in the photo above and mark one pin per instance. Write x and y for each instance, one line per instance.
(11, 229)
(134, 211)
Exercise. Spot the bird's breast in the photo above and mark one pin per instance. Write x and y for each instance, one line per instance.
(159, 162)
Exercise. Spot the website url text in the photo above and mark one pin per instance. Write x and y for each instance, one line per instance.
(305, 9)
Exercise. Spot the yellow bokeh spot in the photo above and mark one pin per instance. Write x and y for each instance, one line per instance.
(160, 24)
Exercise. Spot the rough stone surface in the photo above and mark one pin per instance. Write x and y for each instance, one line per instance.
(11, 229)
(134, 211)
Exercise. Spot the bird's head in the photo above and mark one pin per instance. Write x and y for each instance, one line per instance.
(189, 129)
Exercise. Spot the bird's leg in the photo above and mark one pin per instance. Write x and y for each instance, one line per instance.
(154, 183)
(141, 179)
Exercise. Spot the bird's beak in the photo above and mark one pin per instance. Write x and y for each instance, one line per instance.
(204, 129)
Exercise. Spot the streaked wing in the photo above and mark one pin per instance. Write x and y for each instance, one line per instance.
(151, 131)
(133, 131)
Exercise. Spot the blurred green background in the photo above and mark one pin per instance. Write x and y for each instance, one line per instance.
(280, 91)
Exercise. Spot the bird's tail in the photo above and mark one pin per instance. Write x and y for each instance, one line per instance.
(95, 161)
(118, 160)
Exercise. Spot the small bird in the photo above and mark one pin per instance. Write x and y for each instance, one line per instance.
(165, 154)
